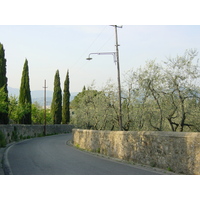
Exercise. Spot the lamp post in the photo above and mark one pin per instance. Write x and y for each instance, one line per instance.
(116, 60)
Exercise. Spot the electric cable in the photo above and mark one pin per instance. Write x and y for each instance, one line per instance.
(80, 58)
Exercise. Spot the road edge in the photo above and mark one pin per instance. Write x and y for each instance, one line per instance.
(137, 165)
(5, 163)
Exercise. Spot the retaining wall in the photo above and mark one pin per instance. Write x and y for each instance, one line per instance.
(176, 151)
(13, 131)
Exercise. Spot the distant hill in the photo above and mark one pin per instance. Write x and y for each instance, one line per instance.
(13, 91)
(38, 95)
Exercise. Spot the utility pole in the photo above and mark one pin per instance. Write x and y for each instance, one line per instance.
(45, 121)
(119, 83)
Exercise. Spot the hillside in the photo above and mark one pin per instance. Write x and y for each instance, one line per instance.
(38, 95)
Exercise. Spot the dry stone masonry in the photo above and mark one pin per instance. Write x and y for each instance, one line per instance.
(19, 131)
(176, 151)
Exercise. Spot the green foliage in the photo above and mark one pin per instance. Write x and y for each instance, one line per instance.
(66, 101)
(3, 79)
(48, 116)
(14, 136)
(3, 101)
(163, 94)
(157, 97)
(56, 105)
(25, 97)
(16, 111)
(41, 135)
(3, 86)
(169, 169)
(12, 107)
(92, 110)
(2, 140)
(37, 114)
(98, 150)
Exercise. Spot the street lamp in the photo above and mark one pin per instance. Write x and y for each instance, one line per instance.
(104, 53)
(116, 60)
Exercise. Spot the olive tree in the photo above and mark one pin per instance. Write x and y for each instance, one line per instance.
(181, 75)
(167, 95)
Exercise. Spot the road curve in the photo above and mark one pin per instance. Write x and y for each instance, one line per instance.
(51, 156)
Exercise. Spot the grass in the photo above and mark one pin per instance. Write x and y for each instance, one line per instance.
(169, 169)
(97, 150)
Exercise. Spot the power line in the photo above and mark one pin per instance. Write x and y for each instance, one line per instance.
(83, 65)
(105, 43)
(82, 55)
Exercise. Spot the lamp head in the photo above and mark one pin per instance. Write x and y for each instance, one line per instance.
(88, 58)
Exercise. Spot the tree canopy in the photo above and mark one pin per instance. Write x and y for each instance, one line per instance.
(56, 105)
(3, 86)
(158, 96)
(66, 101)
(25, 96)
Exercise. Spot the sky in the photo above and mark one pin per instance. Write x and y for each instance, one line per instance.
(66, 47)
(60, 35)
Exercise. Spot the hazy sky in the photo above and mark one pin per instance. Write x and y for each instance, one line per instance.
(65, 47)
(49, 48)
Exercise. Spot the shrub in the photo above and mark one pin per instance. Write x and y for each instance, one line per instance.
(14, 136)
(2, 140)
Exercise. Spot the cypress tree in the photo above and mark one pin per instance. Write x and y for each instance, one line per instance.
(25, 97)
(3, 84)
(84, 88)
(66, 101)
(56, 105)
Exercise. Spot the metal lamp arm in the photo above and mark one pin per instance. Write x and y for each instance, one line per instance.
(104, 53)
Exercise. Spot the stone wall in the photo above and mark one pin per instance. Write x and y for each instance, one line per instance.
(18, 131)
(179, 152)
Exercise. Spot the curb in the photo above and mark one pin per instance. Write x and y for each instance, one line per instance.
(137, 165)
(2, 149)
(5, 163)
(6, 166)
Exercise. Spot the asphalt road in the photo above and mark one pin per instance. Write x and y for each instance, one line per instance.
(52, 156)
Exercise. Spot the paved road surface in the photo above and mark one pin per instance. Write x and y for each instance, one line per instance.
(51, 156)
